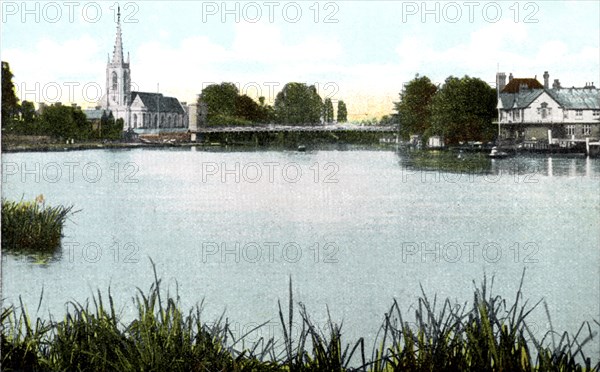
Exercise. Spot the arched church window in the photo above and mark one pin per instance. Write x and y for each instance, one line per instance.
(155, 121)
(115, 80)
(162, 120)
(170, 121)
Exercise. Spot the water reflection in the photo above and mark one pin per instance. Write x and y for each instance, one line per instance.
(39, 259)
(481, 164)
(372, 213)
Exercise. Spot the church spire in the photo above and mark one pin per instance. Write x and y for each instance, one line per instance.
(118, 51)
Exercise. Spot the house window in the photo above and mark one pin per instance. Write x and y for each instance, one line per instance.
(596, 113)
(570, 130)
(543, 110)
(578, 114)
(587, 130)
(134, 120)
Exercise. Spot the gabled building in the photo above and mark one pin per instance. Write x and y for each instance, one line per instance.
(153, 110)
(141, 112)
(530, 111)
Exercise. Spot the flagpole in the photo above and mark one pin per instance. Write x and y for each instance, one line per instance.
(498, 98)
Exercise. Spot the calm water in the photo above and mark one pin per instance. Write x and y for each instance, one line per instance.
(353, 229)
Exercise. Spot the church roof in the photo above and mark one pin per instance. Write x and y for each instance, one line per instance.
(118, 50)
(158, 102)
(514, 86)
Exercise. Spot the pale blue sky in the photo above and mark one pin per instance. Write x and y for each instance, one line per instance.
(364, 58)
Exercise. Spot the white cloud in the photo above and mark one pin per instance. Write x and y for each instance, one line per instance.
(260, 54)
(504, 43)
(50, 64)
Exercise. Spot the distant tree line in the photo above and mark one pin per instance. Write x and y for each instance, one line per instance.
(56, 120)
(295, 104)
(462, 109)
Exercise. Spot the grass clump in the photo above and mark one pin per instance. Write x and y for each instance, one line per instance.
(31, 226)
(488, 335)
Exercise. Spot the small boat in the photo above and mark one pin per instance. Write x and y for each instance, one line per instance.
(147, 141)
(496, 154)
(302, 148)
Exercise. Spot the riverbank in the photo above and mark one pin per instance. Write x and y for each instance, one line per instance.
(488, 335)
(19, 143)
(15, 143)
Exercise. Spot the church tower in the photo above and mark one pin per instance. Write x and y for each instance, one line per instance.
(118, 79)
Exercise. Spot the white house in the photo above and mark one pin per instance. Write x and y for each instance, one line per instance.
(531, 111)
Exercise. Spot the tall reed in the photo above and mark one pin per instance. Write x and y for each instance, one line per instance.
(488, 335)
(31, 226)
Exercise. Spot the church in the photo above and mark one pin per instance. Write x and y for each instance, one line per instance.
(142, 112)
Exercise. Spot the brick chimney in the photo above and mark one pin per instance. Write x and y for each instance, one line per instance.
(500, 81)
(556, 84)
(546, 80)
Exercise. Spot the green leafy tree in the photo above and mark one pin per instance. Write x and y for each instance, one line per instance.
(328, 111)
(117, 132)
(342, 112)
(389, 120)
(57, 121)
(10, 102)
(65, 122)
(266, 112)
(246, 108)
(414, 108)
(298, 104)
(28, 113)
(110, 128)
(463, 110)
(316, 105)
(220, 100)
(106, 122)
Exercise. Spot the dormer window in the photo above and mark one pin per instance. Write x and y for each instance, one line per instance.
(544, 111)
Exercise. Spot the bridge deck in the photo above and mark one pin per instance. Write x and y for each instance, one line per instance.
(282, 128)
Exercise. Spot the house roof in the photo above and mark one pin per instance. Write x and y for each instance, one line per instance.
(570, 98)
(158, 102)
(519, 100)
(93, 114)
(577, 98)
(514, 86)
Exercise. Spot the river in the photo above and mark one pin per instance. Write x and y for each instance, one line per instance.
(353, 229)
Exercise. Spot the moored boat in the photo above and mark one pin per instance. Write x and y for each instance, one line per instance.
(497, 154)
